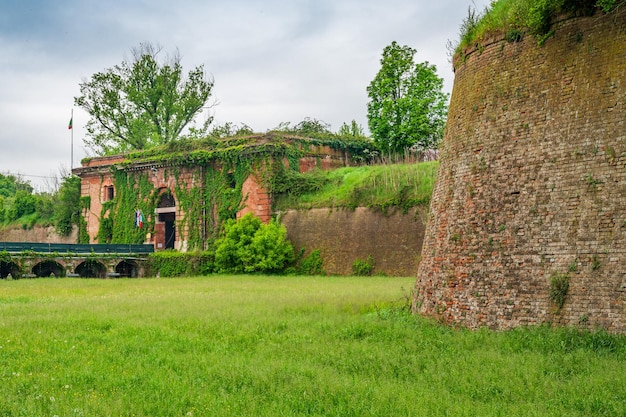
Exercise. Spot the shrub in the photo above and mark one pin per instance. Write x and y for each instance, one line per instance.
(606, 5)
(312, 264)
(176, 264)
(270, 249)
(248, 245)
(362, 268)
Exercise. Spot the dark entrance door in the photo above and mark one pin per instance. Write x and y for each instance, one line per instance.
(170, 230)
(165, 227)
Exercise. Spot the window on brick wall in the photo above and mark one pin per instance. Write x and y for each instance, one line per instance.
(109, 192)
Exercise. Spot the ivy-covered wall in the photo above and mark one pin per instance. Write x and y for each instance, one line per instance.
(210, 181)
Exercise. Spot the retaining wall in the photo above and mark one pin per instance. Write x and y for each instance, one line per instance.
(394, 240)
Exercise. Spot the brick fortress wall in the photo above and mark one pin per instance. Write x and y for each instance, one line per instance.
(532, 183)
(393, 239)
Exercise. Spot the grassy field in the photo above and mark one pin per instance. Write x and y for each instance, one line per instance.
(282, 346)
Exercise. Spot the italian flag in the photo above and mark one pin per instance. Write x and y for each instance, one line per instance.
(70, 125)
(138, 219)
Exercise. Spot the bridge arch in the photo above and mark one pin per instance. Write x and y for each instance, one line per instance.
(47, 268)
(9, 267)
(127, 269)
(91, 269)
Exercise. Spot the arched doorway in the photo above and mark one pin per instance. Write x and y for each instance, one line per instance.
(8, 267)
(91, 269)
(48, 268)
(165, 227)
(127, 269)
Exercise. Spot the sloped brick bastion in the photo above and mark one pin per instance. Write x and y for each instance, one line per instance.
(531, 187)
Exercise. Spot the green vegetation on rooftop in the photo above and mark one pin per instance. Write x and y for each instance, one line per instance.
(194, 151)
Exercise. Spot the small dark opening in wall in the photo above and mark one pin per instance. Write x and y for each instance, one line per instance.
(231, 180)
(167, 200)
(110, 193)
(514, 192)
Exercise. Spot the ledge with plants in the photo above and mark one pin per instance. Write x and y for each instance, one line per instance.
(514, 19)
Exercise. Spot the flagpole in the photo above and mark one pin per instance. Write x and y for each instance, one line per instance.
(72, 141)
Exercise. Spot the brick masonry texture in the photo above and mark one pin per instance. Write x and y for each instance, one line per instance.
(532, 183)
(41, 234)
(393, 239)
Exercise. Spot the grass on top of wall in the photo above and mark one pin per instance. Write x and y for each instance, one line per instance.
(402, 185)
(283, 346)
(515, 18)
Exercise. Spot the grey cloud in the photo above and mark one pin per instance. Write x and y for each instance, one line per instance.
(272, 61)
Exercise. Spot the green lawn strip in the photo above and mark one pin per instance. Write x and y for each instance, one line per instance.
(293, 346)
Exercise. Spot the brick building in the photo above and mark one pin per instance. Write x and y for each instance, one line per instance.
(177, 197)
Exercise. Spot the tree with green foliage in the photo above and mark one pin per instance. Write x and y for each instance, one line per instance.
(10, 184)
(248, 245)
(230, 129)
(2, 210)
(407, 104)
(142, 103)
(307, 127)
(23, 204)
(352, 129)
(67, 209)
(18, 200)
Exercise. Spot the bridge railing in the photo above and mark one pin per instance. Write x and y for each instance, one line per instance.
(17, 247)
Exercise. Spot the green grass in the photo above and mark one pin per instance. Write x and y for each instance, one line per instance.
(386, 185)
(282, 346)
(514, 18)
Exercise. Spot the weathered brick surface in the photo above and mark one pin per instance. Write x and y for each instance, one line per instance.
(394, 240)
(41, 234)
(256, 199)
(532, 181)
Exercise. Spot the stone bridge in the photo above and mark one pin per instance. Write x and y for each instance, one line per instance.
(30, 260)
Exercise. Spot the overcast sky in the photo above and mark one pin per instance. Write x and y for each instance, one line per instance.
(272, 61)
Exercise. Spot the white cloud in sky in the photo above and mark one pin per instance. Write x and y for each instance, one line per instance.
(273, 61)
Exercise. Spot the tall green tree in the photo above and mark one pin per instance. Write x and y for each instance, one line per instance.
(143, 102)
(67, 208)
(407, 104)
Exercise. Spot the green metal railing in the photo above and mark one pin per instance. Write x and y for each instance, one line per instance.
(62, 248)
